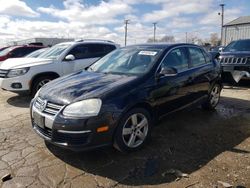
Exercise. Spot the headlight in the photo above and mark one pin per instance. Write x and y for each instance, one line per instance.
(85, 108)
(17, 72)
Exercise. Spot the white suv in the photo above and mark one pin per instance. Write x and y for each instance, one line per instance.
(30, 74)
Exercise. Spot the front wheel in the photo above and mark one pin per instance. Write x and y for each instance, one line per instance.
(133, 130)
(213, 98)
(40, 82)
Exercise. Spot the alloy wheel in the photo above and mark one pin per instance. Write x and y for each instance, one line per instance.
(215, 95)
(42, 83)
(135, 130)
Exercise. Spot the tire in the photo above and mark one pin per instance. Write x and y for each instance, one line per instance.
(130, 135)
(39, 82)
(213, 98)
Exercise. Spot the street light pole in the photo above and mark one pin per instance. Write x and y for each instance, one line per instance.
(222, 20)
(126, 30)
(154, 30)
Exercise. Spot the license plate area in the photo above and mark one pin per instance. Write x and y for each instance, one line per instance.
(39, 120)
(228, 69)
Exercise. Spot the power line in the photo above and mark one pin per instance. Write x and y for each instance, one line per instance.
(126, 30)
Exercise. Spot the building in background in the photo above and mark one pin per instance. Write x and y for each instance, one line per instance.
(236, 29)
(43, 41)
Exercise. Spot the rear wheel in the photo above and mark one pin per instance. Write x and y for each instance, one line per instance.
(213, 98)
(133, 130)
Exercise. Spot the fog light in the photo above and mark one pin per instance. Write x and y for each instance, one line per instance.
(102, 129)
(16, 85)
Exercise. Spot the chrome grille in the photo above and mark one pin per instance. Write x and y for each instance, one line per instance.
(47, 107)
(3, 73)
(234, 60)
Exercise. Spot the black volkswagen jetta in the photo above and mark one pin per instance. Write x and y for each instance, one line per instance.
(117, 100)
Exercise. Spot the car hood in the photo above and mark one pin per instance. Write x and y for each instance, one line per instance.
(82, 85)
(235, 54)
(14, 63)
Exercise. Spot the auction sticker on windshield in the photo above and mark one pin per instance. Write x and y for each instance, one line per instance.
(151, 53)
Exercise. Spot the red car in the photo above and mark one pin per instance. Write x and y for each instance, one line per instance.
(18, 51)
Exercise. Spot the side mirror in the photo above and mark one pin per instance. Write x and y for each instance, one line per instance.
(69, 57)
(221, 49)
(168, 71)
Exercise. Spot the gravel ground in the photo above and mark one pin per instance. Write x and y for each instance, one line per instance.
(191, 148)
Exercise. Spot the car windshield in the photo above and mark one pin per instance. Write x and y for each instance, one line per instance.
(54, 52)
(6, 51)
(241, 45)
(127, 61)
(36, 53)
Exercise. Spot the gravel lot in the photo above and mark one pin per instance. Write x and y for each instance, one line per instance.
(208, 146)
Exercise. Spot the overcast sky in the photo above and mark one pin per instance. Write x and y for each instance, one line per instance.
(21, 19)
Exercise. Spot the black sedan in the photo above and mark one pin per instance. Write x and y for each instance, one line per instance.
(118, 99)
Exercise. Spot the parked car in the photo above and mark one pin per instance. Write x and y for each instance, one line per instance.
(28, 75)
(17, 51)
(118, 99)
(36, 53)
(235, 61)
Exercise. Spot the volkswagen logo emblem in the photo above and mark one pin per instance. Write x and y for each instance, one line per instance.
(42, 105)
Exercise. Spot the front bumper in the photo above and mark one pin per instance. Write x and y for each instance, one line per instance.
(237, 72)
(74, 134)
(7, 84)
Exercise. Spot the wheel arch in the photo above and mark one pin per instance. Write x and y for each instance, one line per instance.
(50, 73)
(216, 81)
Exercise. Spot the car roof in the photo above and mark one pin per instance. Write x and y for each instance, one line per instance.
(22, 46)
(162, 45)
(88, 41)
(241, 40)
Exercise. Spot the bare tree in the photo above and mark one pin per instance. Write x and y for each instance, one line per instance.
(214, 39)
(151, 40)
(167, 38)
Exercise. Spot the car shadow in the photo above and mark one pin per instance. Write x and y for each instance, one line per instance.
(22, 101)
(185, 141)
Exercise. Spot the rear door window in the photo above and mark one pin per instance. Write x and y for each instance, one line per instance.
(177, 59)
(207, 56)
(18, 52)
(28, 50)
(99, 50)
(196, 56)
(91, 50)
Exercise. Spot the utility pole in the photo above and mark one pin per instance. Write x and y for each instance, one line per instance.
(186, 37)
(222, 19)
(126, 30)
(154, 29)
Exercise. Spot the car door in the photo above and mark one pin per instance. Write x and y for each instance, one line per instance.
(85, 55)
(171, 92)
(80, 53)
(201, 72)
